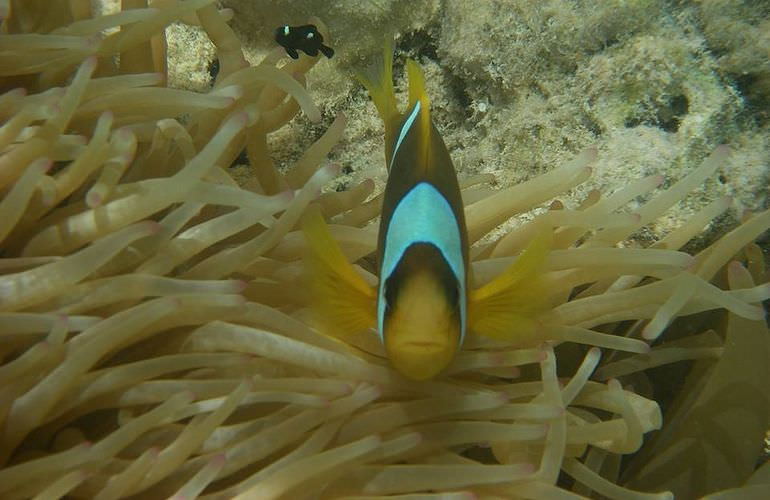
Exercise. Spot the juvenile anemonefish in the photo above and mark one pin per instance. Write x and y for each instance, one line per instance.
(422, 308)
(306, 38)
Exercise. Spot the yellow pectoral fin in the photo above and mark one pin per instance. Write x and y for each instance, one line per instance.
(341, 298)
(507, 307)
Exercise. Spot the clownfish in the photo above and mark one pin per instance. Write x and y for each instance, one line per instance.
(306, 38)
(422, 307)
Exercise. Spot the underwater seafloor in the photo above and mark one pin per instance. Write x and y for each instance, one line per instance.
(517, 89)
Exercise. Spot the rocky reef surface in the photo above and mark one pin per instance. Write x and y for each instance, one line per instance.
(519, 87)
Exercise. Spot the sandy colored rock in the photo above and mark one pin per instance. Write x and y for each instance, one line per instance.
(519, 87)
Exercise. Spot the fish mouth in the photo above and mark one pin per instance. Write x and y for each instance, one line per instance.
(421, 360)
(423, 345)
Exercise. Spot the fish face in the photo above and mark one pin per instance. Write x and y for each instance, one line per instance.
(422, 322)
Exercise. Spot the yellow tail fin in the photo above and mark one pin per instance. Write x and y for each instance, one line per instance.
(343, 302)
(507, 307)
(378, 80)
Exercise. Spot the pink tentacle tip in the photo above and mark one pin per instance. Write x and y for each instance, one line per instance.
(93, 41)
(218, 460)
(50, 110)
(89, 65)
(497, 358)
(239, 285)
(126, 158)
(502, 398)
(151, 227)
(417, 438)
(240, 119)
(300, 77)
(43, 165)
(227, 14)
(125, 136)
(648, 333)
(174, 302)
(469, 495)
(236, 93)
(376, 392)
(94, 200)
(334, 169)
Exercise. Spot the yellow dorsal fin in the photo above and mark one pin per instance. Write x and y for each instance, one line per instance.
(378, 80)
(507, 307)
(417, 93)
(341, 299)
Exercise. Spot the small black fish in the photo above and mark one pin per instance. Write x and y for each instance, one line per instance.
(305, 38)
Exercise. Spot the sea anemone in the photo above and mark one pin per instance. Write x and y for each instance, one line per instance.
(156, 339)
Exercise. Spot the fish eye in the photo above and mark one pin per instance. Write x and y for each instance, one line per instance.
(454, 294)
(309, 35)
(286, 30)
(388, 307)
(388, 295)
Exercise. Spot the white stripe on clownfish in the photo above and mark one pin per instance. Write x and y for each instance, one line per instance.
(404, 130)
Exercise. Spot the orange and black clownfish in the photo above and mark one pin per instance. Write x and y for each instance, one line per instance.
(422, 308)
